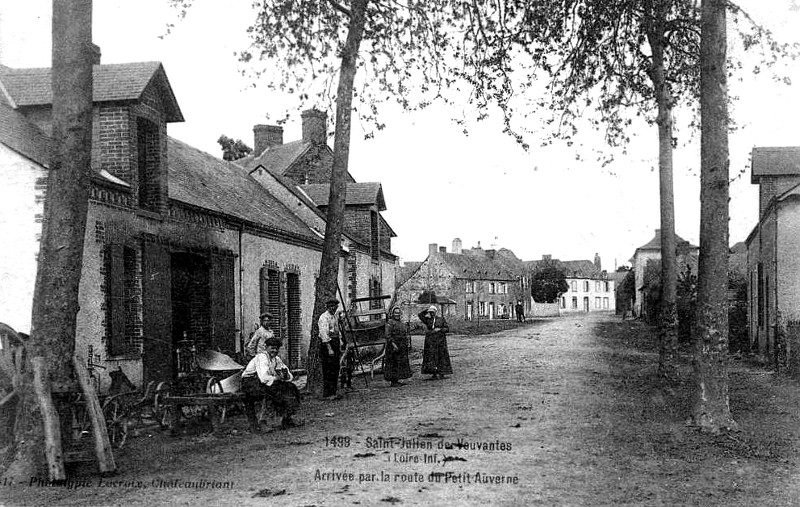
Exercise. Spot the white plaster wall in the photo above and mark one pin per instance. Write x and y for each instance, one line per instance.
(591, 294)
(788, 266)
(19, 232)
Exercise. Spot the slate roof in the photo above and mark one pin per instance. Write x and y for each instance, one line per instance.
(358, 194)
(476, 268)
(775, 161)
(202, 180)
(112, 82)
(655, 243)
(572, 269)
(23, 136)
(276, 159)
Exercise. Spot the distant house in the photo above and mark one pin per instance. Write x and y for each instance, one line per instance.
(181, 247)
(590, 287)
(687, 255)
(484, 284)
(773, 251)
(303, 168)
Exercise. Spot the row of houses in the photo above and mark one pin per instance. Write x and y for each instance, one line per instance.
(769, 259)
(773, 257)
(179, 244)
(479, 283)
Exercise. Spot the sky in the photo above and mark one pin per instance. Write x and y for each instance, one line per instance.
(440, 184)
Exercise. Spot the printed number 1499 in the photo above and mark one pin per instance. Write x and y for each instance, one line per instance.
(337, 441)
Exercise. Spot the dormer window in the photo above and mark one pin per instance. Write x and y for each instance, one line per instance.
(149, 170)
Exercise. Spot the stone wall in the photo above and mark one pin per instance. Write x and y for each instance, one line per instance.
(544, 310)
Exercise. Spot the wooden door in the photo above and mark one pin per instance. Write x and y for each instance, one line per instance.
(223, 318)
(157, 349)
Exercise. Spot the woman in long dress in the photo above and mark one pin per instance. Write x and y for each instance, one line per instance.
(435, 357)
(395, 365)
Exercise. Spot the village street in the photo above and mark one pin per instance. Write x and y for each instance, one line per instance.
(555, 412)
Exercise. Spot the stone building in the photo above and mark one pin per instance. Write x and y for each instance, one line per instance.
(179, 244)
(687, 254)
(590, 287)
(483, 284)
(773, 256)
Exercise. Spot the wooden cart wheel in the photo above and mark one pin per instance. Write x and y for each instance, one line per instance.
(162, 411)
(116, 421)
(215, 386)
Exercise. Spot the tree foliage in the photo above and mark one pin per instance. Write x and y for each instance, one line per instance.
(233, 149)
(625, 291)
(548, 283)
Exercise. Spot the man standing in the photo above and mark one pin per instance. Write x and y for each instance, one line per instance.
(329, 349)
(258, 339)
(520, 311)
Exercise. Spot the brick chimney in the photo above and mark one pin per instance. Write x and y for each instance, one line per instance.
(433, 248)
(315, 126)
(597, 261)
(457, 246)
(266, 136)
(96, 54)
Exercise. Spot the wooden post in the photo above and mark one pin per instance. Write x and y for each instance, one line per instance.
(102, 445)
(51, 421)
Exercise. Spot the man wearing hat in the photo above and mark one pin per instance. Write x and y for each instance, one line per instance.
(435, 356)
(258, 339)
(330, 348)
(267, 377)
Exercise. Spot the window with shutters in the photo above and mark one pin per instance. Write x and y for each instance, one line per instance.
(469, 287)
(123, 299)
(271, 295)
(293, 316)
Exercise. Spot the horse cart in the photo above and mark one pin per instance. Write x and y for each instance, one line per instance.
(364, 329)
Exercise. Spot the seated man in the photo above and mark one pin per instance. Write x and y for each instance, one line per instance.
(267, 377)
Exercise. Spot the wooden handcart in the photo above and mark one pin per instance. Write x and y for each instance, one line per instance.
(209, 385)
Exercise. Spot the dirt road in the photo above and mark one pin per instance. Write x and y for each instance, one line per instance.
(537, 415)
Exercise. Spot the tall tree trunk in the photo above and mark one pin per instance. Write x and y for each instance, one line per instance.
(710, 406)
(668, 318)
(329, 264)
(55, 302)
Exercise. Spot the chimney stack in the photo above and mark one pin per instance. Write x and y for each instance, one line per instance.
(597, 261)
(266, 136)
(433, 248)
(457, 246)
(315, 126)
